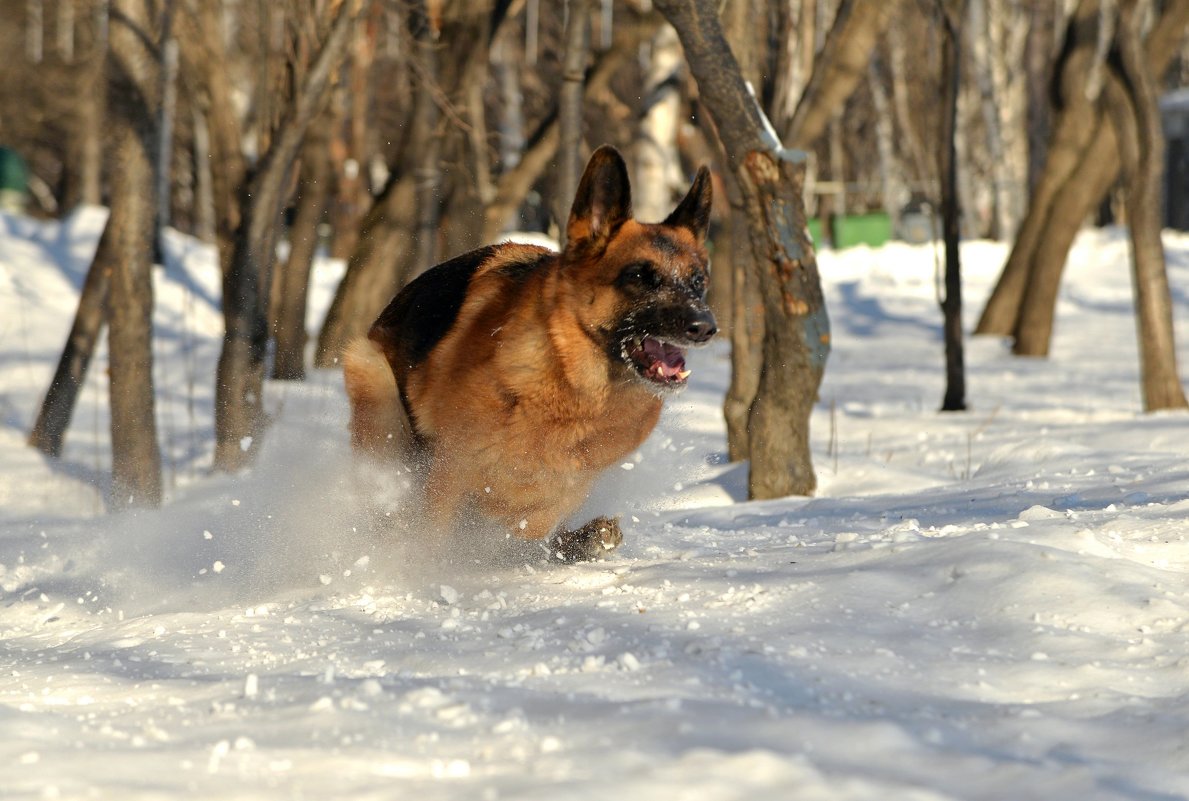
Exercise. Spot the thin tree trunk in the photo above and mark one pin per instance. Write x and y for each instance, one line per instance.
(204, 193)
(905, 119)
(893, 192)
(655, 148)
(796, 332)
(351, 188)
(58, 406)
(569, 166)
(1037, 49)
(1074, 202)
(951, 80)
(747, 303)
(1143, 154)
(294, 277)
(239, 381)
(376, 269)
(841, 65)
(91, 100)
(383, 259)
(989, 106)
(747, 331)
(136, 460)
(426, 142)
(514, 184)
(166, 114)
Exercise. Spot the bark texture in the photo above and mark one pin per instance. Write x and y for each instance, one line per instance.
(293, 278)
(1137, 115)
(951, 213)
(133, 89)
(53, 419)
(797, 338)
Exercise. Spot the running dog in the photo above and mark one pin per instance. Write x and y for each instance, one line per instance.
(510, 377)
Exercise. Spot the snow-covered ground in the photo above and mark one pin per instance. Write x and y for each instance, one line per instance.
(987, 605)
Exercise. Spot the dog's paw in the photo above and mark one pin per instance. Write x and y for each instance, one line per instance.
(593, 541)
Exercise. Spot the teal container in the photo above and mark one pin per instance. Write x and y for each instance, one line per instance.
(14, 175)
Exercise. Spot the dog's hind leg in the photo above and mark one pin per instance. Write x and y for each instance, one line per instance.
(595, 540)
(379, 423)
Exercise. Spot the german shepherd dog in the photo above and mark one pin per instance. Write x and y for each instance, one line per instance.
(510, 377)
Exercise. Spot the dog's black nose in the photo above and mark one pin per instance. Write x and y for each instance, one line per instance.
(701, 326)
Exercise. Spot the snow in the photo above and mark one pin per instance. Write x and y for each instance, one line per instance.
(984, 605)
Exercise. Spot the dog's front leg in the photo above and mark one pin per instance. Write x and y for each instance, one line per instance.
(595, 540)
(445, 495)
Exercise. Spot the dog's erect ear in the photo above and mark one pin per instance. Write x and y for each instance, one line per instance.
(693, 212)
(603, 200)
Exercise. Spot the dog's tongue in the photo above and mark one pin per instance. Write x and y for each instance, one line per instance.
(666, 359)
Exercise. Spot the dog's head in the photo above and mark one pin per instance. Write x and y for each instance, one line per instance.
(641, 287)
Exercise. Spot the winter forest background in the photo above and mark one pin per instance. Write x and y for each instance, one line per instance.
(830, 589)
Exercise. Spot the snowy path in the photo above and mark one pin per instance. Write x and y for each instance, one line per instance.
(989, 605)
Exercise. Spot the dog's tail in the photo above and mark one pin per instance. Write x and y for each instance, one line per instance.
(379, 424)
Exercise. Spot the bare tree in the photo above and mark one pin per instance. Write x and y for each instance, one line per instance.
(133, 91)
(53, 418)
(293, 276)
(1137, 120)
(951, 15)
(1082, 163)
(797, 336)
(569, 165)
(842, 65)
(239, 380)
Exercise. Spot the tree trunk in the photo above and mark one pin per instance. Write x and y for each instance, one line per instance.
(905, 119)
(351, 148)
(747, 331)
(747, 304)
(796, 332)
(1026, 295)
(426, 139)
(841, 65)
(1074, 128)
(1037, 49)
(239, 381)
(989, 106)
(132, 70)
(289, 319)
(569, 159)
(204, 193)
(383, 259)
(376, 269)
(951, 213)
(655, 149)
(514, 184)
(1137, 117)
(58, 407)
(86, 186)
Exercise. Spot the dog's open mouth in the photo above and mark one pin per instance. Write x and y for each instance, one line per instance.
(659, 362)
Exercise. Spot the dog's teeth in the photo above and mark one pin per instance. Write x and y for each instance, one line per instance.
(683, 374)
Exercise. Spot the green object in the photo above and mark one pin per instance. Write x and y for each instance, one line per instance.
(14, 175)
(815, 231)
(862, 229)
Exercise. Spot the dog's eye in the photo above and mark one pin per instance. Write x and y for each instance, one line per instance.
(697, 284)
(640, 274)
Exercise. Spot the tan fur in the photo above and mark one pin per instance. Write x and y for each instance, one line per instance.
(378, 423)
(536, 438)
